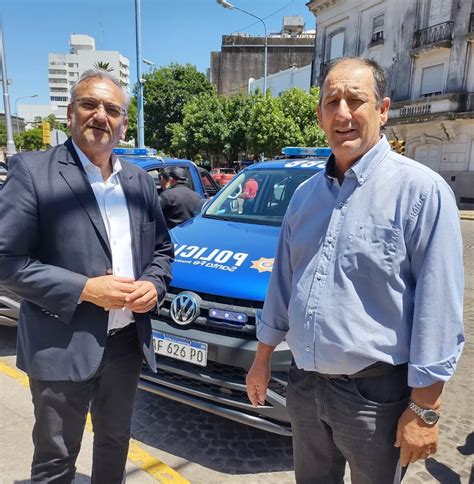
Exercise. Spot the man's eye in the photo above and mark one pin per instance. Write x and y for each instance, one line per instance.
(113, 110)
(89, 105)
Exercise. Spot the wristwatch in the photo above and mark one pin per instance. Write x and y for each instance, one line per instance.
(429, 416)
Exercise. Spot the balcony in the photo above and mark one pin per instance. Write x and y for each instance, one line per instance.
(439, 35)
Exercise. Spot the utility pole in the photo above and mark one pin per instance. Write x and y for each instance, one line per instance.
(140, 119)
(11, 150)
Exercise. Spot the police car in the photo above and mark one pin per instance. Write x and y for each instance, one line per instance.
(198, 179)
(204, 333)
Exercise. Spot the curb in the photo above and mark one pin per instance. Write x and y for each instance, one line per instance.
(466, 214)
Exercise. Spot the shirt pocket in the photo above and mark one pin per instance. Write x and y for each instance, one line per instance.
(147, 243)
(370, 249)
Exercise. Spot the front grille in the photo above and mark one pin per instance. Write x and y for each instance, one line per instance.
(215, 380)
(205, 323)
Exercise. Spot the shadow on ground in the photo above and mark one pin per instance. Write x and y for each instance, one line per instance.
(208, 440)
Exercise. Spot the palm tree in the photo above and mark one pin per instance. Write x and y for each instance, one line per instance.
(105, 66)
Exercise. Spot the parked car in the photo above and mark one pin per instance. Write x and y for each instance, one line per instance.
(204, 332)
(198, 180)
(222, 176)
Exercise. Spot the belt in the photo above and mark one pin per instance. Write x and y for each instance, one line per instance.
(377, 369)
(114, 331)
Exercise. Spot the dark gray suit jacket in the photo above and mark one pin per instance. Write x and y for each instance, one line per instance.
(52, 239)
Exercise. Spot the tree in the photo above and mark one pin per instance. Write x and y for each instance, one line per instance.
(237, 111)
(30, 140)
(105, 66)
(53, 121)
(203, 128)
(3, 134)
(132, 120)
(166, 92)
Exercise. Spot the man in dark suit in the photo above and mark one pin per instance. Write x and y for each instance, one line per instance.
(178, 202)
(85, 245)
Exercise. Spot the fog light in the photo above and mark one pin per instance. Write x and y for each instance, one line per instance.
(232, 317)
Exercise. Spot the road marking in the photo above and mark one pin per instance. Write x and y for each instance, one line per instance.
(147, 463)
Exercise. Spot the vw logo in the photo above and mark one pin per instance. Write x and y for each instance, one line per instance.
(185, 308)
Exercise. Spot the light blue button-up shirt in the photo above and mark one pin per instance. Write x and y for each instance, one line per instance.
(370, 270)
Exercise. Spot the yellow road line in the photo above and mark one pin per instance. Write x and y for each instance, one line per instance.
(147, 463)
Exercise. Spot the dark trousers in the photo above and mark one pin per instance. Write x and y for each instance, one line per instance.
(61, 409)
(341, 420)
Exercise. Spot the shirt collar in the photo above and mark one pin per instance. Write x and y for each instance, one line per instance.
(88, 165)
(364, 166)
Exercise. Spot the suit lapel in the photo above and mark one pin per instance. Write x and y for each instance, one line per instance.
(72, 171)
(134, 197)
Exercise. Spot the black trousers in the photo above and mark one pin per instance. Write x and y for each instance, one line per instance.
(61, 409)
(353, 420)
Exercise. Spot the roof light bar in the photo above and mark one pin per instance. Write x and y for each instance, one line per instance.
(306, 151)
(135, 151)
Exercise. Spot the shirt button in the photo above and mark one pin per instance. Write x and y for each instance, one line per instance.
(318, 277)
(310, 312)
(330, 240)
(308, 349)
(109, 271)
(341, 205)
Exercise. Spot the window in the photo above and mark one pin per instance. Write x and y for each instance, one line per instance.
(57, 71)
(58, 98)
(57, 81)
(336, 45)
(432, 80)
(59, 89)
(377, 28)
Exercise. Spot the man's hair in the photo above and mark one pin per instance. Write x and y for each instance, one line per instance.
(99, 74)
(379, 74)
(178, 173)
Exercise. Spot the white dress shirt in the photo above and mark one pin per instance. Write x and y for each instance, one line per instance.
(114, 210)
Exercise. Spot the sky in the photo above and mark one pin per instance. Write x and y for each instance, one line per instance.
(183, 31)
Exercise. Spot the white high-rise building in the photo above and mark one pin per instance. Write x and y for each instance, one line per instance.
(65, 69)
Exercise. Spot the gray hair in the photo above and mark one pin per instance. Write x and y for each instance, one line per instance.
(99, 74)
(379, 74)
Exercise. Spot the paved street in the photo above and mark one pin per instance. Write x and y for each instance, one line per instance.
(204, 448)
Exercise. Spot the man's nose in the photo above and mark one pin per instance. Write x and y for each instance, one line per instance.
(100, 113)
(343, 110)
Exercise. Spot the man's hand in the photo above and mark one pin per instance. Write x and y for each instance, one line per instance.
(108, 292)
(143, 298)
(257, 382)
(416, 439)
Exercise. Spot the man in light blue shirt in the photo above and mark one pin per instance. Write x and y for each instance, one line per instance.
(367, 290)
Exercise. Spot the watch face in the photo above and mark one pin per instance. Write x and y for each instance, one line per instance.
(430, 416)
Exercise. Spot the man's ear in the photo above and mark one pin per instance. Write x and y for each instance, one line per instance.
(384, 109)
(124, 128)
(69, 114)
(318, 110)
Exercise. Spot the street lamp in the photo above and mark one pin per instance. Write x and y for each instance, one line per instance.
(151, 64)
(228, 5)
(138, 44)
(16, 109)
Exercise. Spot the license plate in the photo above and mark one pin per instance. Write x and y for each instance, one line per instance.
(180, 348)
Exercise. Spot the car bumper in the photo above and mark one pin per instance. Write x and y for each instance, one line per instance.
(219, 388)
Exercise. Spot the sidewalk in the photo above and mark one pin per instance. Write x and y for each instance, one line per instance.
(16, 422)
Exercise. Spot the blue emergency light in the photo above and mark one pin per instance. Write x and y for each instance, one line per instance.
(306, 151)
(135, 151)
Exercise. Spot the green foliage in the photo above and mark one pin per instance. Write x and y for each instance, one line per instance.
(246, 126)
(3, 134)
(30, 140)
(132, 120)
(203, 128)
(166, 91)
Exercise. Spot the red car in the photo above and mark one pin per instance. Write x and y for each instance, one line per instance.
(222, 176)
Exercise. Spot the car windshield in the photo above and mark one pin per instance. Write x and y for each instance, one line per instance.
(258, 196)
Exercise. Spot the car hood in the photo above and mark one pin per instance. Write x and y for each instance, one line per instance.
(224, 258)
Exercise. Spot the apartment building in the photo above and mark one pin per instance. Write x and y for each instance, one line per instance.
(65, 68)
(427, 48)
